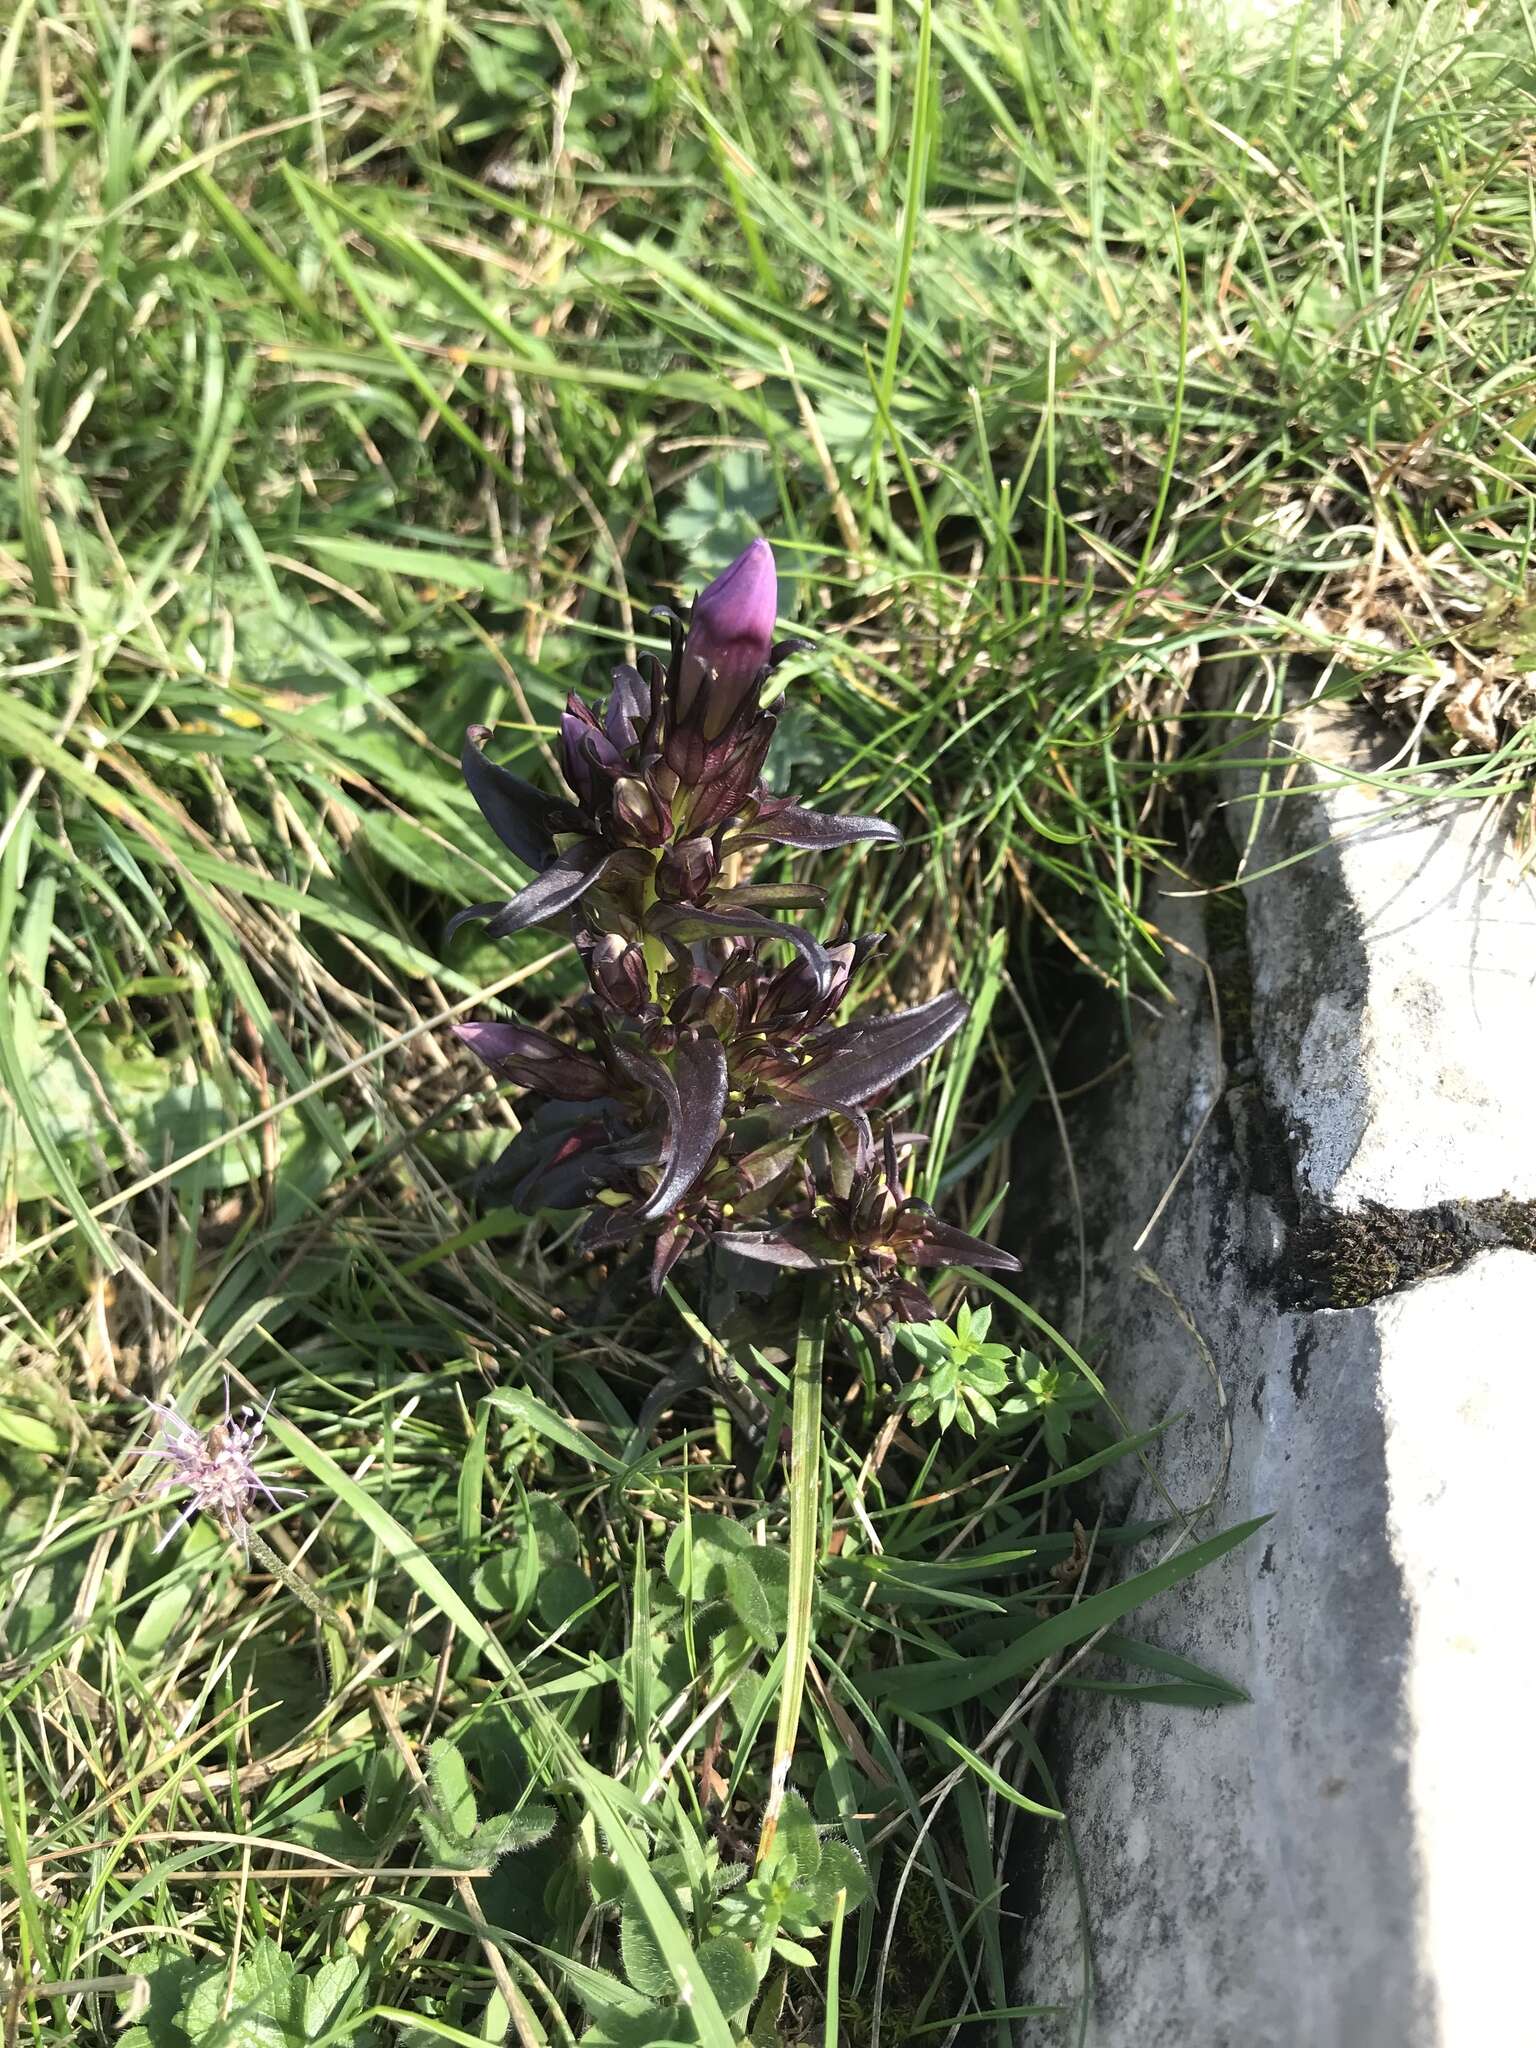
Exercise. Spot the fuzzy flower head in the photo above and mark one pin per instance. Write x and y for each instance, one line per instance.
(216, 1465)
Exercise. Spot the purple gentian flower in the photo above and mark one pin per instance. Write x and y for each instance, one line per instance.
(730, 637)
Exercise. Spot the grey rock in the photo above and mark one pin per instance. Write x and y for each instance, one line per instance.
(1318, 1868)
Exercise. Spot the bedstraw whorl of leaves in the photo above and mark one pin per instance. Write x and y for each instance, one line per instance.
(710, 1093)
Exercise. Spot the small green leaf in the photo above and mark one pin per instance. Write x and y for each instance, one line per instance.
(28, 1432)
(264, 2009)
(839, 1871)
(505, 1833)
(508, 1582)
(749, 1602)
(451, 1790)
(326, 1993)
(564, 1589)
(157, 1623)
(797, 1846)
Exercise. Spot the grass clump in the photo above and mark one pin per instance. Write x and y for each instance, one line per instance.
(351, 365)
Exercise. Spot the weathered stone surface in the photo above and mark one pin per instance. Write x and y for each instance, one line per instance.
(1395, 976)
(1316, 1867)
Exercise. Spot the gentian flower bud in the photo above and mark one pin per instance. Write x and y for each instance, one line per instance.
(685, 871)
(730, 634)
(636, 813)
(535, 1060)
(617, 973)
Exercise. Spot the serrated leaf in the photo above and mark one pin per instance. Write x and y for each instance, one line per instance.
(169, 1978)
(264, 2006)
(325, 1993)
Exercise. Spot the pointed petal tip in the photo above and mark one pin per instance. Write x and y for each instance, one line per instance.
(480, 1038)
(733, 617)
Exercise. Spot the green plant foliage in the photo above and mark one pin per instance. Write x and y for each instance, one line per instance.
(365, 373)
(452, 1830)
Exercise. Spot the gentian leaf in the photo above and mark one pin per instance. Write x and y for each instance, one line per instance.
(693, 1094)
(562, 883)
(769, 896)
(794, 826)
(941, 1244)
(854, 1062)
(680, 924)
(535, 1060)
(771, 1248)
(515, 811)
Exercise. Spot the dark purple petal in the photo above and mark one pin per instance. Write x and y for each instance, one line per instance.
(686, 870)
(563, 883)
(642, 820)
(629, 708)
(731, 630)
(685, 753)
(725, 785)
(855, 1062)
(535, 1060)
(588, 754)
(791, 825)
(617, 972)
(515, 811)
(681, 925)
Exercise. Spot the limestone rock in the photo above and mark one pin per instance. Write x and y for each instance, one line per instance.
(1317, 1869)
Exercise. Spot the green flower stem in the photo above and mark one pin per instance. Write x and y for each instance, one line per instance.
(804, 1542)
(335, 1629)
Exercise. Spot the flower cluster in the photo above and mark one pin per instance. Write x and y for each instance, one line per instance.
(216, 1465)
(709, 1092)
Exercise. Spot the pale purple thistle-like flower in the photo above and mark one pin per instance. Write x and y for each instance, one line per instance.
(216, 1465)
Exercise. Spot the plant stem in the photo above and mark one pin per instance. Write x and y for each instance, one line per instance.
(804, 1543)
(335, 1629)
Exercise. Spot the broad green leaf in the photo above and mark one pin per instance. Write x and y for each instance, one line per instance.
(28, 1432)
(265, 2008)
(537, 1416)
(727, 1962)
